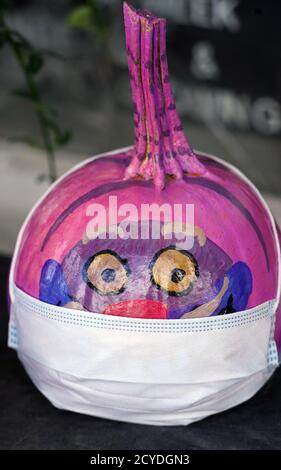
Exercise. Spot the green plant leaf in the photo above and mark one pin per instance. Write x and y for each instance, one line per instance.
(35, 63)
(60, 137)
(22, 93)
(52, 124)
(18, 39)
(80, 17)
(63, 138)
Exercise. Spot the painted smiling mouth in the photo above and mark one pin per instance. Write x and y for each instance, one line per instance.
(139, 308)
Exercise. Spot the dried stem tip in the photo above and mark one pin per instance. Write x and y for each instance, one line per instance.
(160, 146)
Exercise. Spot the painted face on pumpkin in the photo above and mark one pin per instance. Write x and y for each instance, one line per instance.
(148, 278)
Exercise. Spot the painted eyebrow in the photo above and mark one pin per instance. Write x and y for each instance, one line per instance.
(118, 185)
(99, 191)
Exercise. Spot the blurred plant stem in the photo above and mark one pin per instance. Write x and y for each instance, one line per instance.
(31, 62)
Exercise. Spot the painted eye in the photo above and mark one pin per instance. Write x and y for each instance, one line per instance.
(174, 271)
(106, 272)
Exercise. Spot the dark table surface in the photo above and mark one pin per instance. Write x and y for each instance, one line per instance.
(29, 421)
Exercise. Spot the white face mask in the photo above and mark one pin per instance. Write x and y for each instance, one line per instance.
(162, 372)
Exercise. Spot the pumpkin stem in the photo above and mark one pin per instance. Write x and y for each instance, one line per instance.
(160, 147)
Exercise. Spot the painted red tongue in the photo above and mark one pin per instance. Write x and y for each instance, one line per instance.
(138, 309)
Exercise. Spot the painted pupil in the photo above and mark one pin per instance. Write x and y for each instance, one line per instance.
(108, 275)
(177, 275)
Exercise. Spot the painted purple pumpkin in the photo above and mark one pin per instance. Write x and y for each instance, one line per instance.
(233, 262)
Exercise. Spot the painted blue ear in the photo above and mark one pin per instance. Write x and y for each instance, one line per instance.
(53, 288)
(239, 289)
